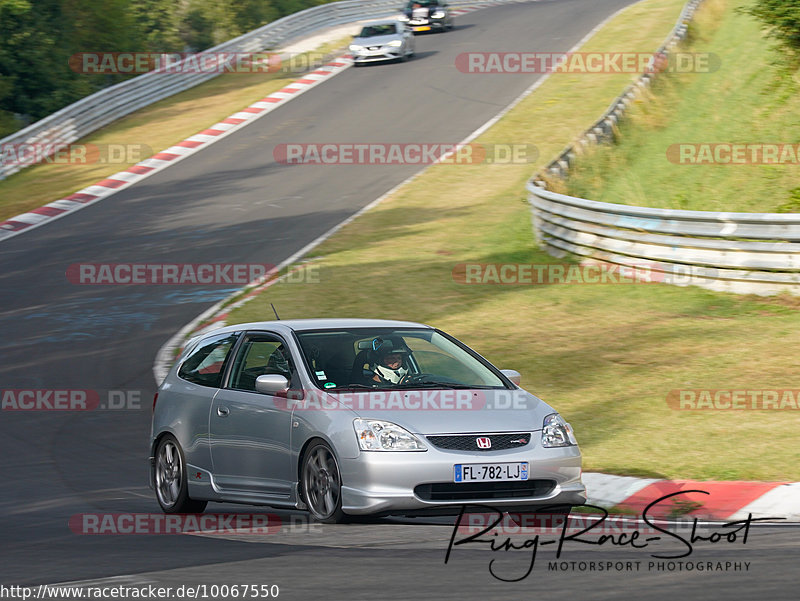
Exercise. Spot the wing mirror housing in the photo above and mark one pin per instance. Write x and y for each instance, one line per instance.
(271, 384)
(513, 375)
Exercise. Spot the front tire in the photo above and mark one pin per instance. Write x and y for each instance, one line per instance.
(172, 488)
(322, 484)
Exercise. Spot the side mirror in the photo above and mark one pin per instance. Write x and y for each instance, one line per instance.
(511, 374)
(271, 384)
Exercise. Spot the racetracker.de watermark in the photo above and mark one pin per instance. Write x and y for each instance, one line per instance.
(533, 274)
(50, 399)
(168, 273)
(25, 154)
(743, 399)
(542, 522)
(184, 63)
(591, 63)
(730, 153)
(159, 523)
(403, 153)
(405, 400)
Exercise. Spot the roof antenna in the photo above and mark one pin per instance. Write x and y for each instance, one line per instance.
(274, 311)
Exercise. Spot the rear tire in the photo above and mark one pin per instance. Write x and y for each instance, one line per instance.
(170, 477)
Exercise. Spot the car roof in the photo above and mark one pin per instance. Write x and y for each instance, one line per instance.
(300, 325)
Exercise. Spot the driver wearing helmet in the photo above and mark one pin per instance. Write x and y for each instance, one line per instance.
(390, 368)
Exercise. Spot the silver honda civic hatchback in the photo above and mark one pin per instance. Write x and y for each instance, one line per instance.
(345, 417)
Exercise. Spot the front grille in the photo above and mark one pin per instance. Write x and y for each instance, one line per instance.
(477, 491)
(469, 442)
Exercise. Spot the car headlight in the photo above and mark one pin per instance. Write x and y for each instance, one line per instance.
(439, 14)
(395, 43)
(403, 17)
(556, 432)
(377, 435)
(356, 48)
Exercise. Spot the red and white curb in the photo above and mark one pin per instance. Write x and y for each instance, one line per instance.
(119, 181)
(160, 161)
(726, 500)
(215, 316)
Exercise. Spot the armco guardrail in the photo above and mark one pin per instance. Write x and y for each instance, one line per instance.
(745, 253)
(101, 108)
(604, 129)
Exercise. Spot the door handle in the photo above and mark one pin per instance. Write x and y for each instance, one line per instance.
(223, 411)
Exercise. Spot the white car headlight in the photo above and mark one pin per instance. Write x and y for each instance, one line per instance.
(439, 14)
(377, 435)
(356, 48)
(556, 432)
(395, 43)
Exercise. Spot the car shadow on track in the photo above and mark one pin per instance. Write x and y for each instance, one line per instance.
(417, 56)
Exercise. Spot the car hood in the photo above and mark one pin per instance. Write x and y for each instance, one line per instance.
(378, 40)
(448, 411)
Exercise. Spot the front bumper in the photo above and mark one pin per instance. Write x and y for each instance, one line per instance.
(421, 26)
(371, 56)
(385, 482)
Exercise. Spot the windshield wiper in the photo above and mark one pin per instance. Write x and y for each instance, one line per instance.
(354, 387)
(428, 383)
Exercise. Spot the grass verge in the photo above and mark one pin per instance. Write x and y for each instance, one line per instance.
(157, 126)
(606, 356)
(752, 98)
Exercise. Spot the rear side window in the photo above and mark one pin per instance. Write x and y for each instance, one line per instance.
(205, 364)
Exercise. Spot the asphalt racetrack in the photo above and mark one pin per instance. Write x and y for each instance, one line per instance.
(234, 203)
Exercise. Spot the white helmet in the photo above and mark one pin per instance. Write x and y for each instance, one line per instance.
(390, 375)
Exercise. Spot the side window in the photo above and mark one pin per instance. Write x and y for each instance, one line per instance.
(205, 364)
(258, 355)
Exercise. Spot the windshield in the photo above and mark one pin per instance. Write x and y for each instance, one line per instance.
(422, 4)
(383, 358)
(371, 31)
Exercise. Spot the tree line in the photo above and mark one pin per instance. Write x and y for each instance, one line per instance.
(781, 20)
(37, 38)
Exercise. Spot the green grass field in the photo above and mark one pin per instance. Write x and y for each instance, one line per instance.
(607, 356)
(752, 98)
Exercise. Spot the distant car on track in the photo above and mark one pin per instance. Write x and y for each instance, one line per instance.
(382, 41)
(427, 15)
(348, 417)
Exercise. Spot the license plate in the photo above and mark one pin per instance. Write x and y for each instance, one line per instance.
(488, 472)
(422, 28)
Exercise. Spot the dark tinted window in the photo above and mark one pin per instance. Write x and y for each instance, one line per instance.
(258, 355)
(205, 364)
(372, 31)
